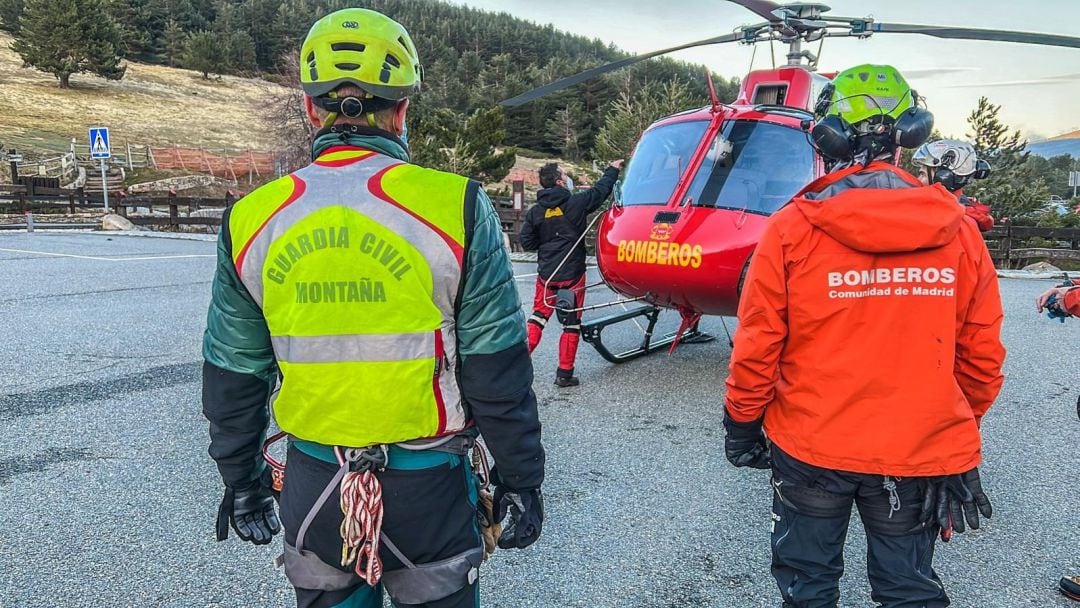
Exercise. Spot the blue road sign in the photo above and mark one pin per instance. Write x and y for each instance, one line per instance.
(99, 142)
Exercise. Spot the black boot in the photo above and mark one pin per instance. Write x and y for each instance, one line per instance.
(1070, 587)
(565, 378)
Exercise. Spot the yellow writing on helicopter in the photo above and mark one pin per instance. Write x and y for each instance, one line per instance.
(661, 254)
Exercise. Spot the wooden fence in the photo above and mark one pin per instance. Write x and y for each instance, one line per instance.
(1010, 246)
(64, 167)
(20, 199)
(1017, 246)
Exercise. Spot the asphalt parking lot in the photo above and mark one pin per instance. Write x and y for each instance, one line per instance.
(109, 499)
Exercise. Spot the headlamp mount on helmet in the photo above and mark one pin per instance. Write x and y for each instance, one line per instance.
(352, 106)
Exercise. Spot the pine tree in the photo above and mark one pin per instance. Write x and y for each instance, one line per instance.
(9, 15)
(1013, 189)
(635, 110)
(173, 43)
(240, 57)
(484, 131)
(621, 129)
(126, 16)
(203, 52)
(451, 142)
(65, 37)
(290, 25)
(258, 19)
(564, 130)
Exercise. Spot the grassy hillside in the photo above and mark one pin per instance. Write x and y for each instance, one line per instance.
(151, 105)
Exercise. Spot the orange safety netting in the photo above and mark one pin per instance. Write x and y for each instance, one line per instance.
(218, 163)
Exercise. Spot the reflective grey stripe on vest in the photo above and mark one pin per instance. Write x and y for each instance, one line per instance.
(354, 347)
(347, 187)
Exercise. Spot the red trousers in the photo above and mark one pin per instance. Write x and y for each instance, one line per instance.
(543, 306)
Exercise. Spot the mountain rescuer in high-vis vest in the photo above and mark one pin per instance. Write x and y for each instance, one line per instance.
(867, 354)
(554, 228)
(954, 164)
(369, 305)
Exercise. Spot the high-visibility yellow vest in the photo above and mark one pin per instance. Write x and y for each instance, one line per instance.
(356, 263)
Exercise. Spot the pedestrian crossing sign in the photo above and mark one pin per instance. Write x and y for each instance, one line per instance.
(99, 142)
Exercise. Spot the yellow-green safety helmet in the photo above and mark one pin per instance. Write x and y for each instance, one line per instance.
(866, 91)
(361, 47)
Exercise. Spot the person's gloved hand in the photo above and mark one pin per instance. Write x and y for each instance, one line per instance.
(1050, 300)
(526, 516)
(251, 513)
(952, 499)
(745, 444)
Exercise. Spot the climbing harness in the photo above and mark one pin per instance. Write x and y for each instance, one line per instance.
(362, 507)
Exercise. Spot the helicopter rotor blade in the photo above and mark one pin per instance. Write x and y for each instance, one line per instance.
(763, 8)
(570, 81)
(967, 33)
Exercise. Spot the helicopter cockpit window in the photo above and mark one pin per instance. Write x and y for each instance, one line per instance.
(753, 165)
(659, 159)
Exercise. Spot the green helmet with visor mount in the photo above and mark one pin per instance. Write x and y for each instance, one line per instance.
(867, 111)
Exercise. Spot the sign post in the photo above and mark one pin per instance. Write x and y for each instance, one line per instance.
(14, 158)
(518, 195)
(1074, 181)
(99, 148)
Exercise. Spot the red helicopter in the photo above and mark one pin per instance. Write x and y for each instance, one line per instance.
(700, 185)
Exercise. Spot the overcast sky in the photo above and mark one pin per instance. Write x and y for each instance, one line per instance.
(1038, 87)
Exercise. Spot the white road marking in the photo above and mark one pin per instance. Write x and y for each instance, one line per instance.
(104, 259)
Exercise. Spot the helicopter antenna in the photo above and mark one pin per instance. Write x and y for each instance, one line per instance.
(712, 91)
(817, 58)
(772, 51)
(753, 54)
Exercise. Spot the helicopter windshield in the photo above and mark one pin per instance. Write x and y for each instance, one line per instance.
(658, 162)
(753, 165)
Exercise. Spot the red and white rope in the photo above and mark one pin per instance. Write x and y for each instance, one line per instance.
(361, 504)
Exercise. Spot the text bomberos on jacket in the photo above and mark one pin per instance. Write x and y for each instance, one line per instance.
(897, 281)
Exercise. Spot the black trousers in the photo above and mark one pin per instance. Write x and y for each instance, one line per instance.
(428, 513)
(811, 511)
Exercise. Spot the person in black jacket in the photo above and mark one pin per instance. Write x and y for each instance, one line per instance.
(553, 228)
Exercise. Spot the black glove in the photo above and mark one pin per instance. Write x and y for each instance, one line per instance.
(745, 444)
(251, 512)
(526, 516)
(951, 499)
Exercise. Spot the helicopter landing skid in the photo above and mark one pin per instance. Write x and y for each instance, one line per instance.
(593, 330)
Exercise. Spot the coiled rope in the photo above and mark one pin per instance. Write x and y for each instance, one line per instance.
(361, 504)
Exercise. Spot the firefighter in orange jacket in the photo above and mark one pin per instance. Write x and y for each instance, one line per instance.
(1061, 302)
(868, 351)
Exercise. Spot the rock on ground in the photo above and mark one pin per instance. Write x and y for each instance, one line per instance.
(117, 222)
